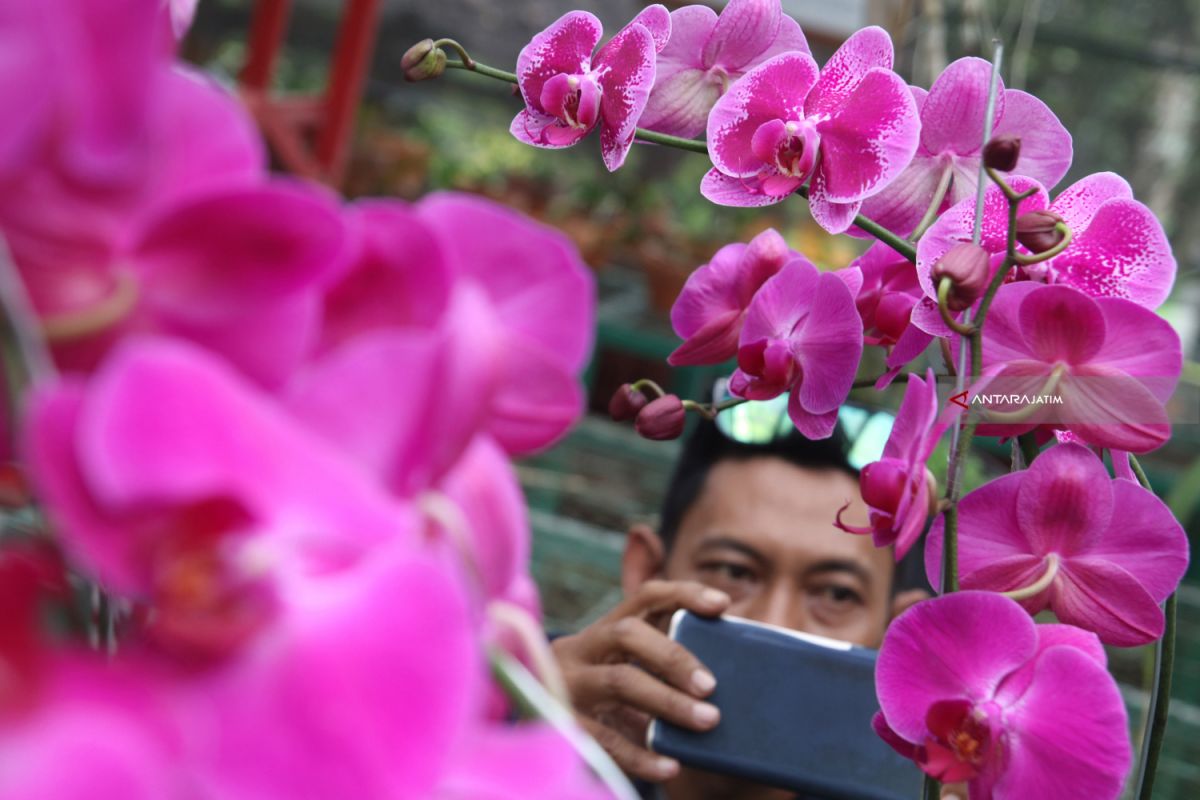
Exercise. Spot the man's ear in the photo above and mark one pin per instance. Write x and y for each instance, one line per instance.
(643, 558)
(906, 600)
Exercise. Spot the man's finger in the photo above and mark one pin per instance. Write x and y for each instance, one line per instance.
(627, 684)
(660, 655)
(632, 759)
(657, 596)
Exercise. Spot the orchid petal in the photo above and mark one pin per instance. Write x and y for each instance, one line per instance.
(741, 32)
(564, 47)
(1098, 595)
(953, 114)
(1046, 148)
(1065, 500)
(737, 192)
(625, 66)
(866, 49)
(1144, 537)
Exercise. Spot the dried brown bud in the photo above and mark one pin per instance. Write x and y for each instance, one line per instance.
(626, 402)
(1038, 230)
(967, 266)
(663, 418)
(1001, 153)
(423, 61)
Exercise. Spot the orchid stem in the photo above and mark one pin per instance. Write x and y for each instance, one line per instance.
(931, 789)
(1160, 695)
(1029, 447)
(943, 295)
(881, 233)
(931, 213)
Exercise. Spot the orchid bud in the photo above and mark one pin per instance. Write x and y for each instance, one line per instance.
(967, 266)
(1038, 230)
(423, 61)
(661, 419)
(883, 485)
(626, 402)
(1001, 153)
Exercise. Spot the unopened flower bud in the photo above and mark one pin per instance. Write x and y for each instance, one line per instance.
(626, 402)
(1001, 153)
(1038, 230)
(423, 61)
(967, 267)
(663, 418)
(883, 485)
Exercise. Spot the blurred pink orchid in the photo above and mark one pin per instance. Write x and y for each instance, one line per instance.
(1118, 248)
(1113, 363)
(175, 484)
(972, 690)
(899, 487)
(851, 127)
(568, 92)
(802, 335)
(707, 53)
(711, 307)
(182, 13)
(1102, 553)
(951, 148)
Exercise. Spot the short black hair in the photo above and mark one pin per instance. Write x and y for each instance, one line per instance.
(707, 446)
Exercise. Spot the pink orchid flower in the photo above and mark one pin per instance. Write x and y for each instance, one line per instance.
(885, 302)
(898, 488)
(175, 484)
(709, 311)
(568, 92)
(802, 335)
(851, 128)
(707, 53)
(1102, 553)
(951, 148)
(972, 690)
(1118, 247)
(1112, 363)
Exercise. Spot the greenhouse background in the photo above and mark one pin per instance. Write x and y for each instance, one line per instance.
(1123, 77)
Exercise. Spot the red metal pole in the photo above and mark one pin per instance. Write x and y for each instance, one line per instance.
(267, 29)
(351, 58)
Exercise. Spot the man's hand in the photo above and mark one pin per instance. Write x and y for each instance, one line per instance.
(622, 670)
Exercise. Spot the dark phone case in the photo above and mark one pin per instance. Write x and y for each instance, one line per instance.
(795, 713)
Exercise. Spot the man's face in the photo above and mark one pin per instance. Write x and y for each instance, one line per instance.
(762, 531)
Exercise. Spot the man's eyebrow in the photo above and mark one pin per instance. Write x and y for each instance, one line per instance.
(728, 542)
(841, 565)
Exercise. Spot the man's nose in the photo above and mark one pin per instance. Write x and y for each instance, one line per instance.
(778, 604)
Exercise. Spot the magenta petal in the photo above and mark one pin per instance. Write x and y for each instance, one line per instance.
(957, 646)
(1062, 325)
(829, 346)
(773, 90)
(565, 46)
(712, 289)
(869, 138)
(1097, 595)
(743, 30)
(683, 92)
(782, 302)
(1005, 339)
(538, 400)
(656, 19)
(1123, 253)
(901, 204)
(811, 425)
(1079, 202)
(1106, 408)
(916, 415)
(713, 343)
(910, 345)
(527, 761)
(532, 273)
(542, 130)
(989, 529)
(1142, 344)
(884, 731)
(625, 66)
(833, 217)
(736, 192)
(1056, 635)
(484, 485)
(1069, 732)
(1045, 144)
(237, 249)
(953, 114)
(867, 48)
(1144, 537)
(1065, 500)
(789, 39)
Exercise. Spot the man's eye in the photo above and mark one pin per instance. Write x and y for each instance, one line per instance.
(728, 571)
(840, 596)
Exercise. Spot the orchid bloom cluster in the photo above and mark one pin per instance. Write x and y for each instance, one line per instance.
(266, 446)
(1036, 292)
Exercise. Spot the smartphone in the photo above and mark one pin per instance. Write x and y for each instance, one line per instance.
(795, 713)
